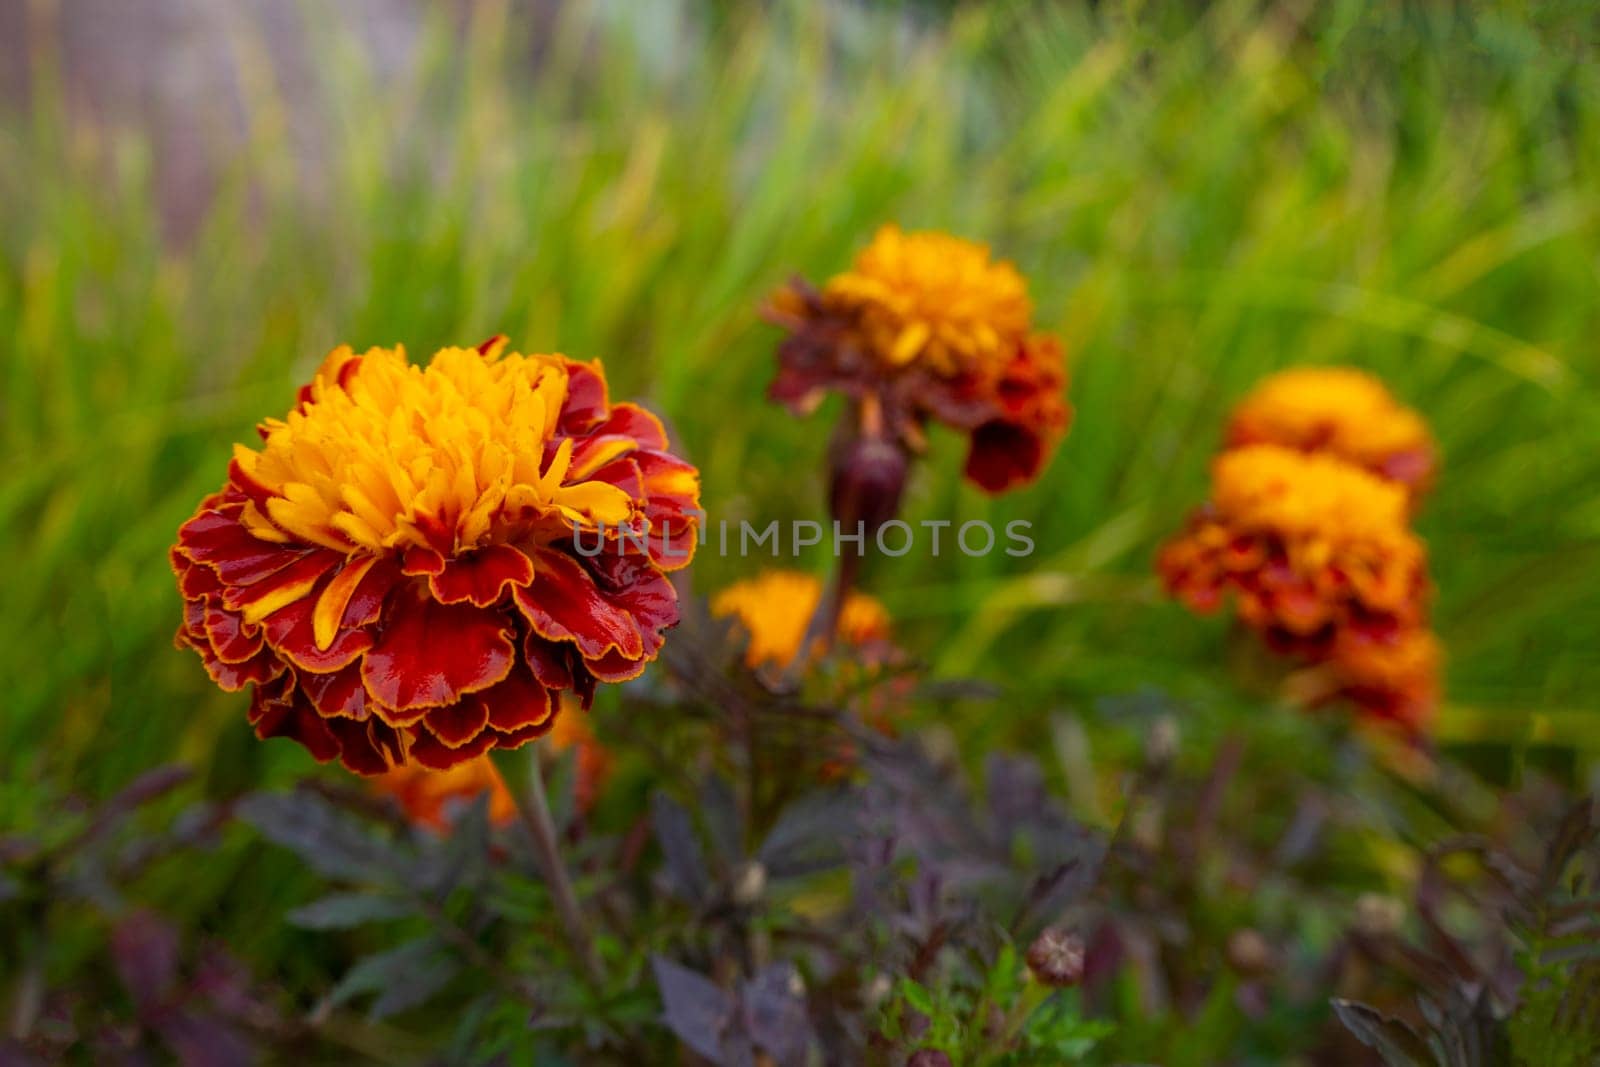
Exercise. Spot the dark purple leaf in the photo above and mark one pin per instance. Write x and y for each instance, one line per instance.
(342, 910)
(330, 842)
(1397, 1043)
(675, 833)
(811, 835)
(696, 1009)
(775, 1014)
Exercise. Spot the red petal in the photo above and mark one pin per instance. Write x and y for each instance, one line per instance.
(517, 703)
(458, 723)
(586, 398)
(290, 632)
(281, 588)
(482, 576)
(565, 604)
(298, 721)
(232, 677)
(1003, 455)
(419, 560)
(230, 639)
(357, 748)
(633, 421)
(432, 654)
(431, 752)
(220, 542)
(550, 662)
(337, 695)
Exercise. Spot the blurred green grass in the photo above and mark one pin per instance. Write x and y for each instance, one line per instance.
(1197, 201)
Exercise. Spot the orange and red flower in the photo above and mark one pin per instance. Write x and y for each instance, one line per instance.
(1308, 547)
(395, 572)
(925, 326)
(1343, 412)
(426, 796)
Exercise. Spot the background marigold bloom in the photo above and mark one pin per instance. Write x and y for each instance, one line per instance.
(1306, 545)
(927, 327)
(775, 609)
(932, 298)
(394, 570)
(1341, 411)
(427, 795)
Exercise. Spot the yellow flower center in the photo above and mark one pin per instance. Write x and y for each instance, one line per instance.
(932, 298)
(385, 454)
(1310, 497)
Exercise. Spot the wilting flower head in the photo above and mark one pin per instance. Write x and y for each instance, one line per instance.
(775, 609)
(427, 796)
(1343, 412)
(924, 327)
(1308, 547)
(394, 569)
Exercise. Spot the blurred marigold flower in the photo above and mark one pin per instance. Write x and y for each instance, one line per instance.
(1309, 548)
(1341, 411)
(775, 609)
(394, 569)
(933, 299)
(594, 760)
(426, 795)
(926, 326)
(1391, 678)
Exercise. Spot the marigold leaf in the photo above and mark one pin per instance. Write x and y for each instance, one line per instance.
(343, 910)
(1397, 1043)
(330, 842)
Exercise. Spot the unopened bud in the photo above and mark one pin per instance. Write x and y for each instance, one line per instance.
(1056, 958)
(869, 476)
(749, 883)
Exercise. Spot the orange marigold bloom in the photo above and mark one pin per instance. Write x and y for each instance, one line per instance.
(925, 326)
(931, 298)
(1308, 546)
(775, 609)
(594, 760)
(1341, 411)
(427, 796)
(394, 570)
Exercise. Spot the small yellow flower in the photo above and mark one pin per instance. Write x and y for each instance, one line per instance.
(934, 299)
(1342, 412)
(775, 609)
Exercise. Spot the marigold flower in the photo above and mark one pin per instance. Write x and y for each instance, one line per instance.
(594, 761)
(427, 796)
(924, 327)
(394, 569)
(1341, 411)
(775, 609)
(931, 298)
(1308, 546)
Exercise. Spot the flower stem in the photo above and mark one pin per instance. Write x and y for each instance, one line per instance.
(534, 807)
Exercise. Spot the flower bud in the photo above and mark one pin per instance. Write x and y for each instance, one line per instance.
(1055, 958)
(868, 478)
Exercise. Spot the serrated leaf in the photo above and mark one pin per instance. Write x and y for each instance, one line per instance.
(330, 842)
(340, 911)
(1397, 1043)
(402, 977)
